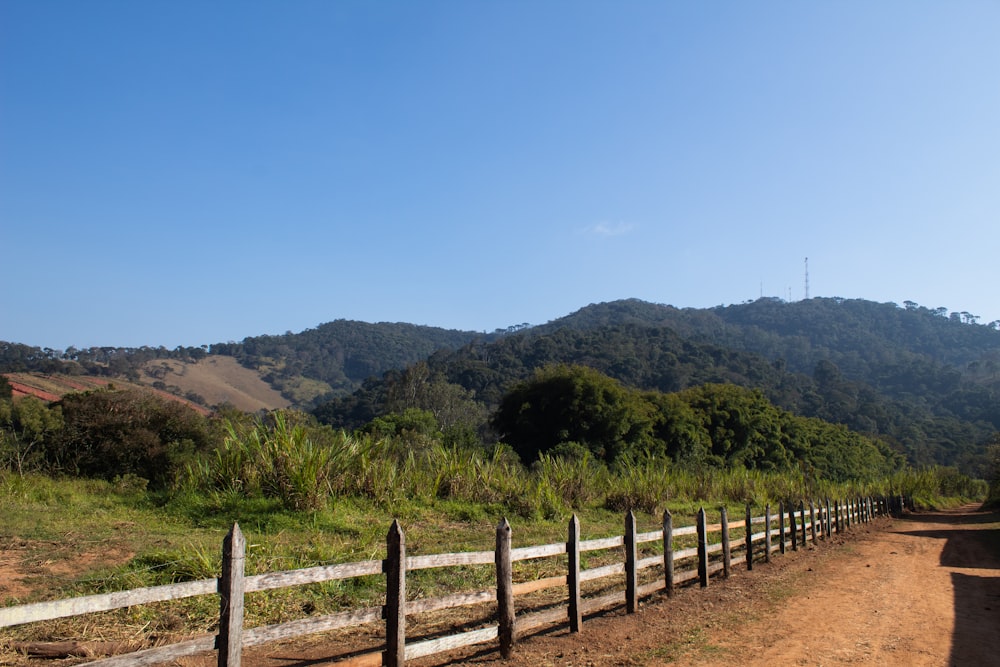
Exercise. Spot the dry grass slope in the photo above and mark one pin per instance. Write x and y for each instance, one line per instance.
(218, 380)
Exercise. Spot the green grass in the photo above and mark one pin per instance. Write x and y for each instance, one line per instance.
(71, 537)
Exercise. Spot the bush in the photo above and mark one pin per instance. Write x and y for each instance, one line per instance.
(113, 433)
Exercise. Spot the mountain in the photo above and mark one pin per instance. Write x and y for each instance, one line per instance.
(925, 380)
(301, 369)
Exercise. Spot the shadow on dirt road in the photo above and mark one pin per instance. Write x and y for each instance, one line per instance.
(973, 546)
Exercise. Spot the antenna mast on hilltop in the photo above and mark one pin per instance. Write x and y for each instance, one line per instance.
(807, 278)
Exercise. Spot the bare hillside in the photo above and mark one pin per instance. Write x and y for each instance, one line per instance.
(217, 379)
(52, 387)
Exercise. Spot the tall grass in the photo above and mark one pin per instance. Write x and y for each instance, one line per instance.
(933, 487)
(274, 460)
(309, 469)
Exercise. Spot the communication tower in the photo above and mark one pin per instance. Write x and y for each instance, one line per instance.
(807, 278)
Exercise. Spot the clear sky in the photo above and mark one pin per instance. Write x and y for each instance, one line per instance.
(187, 172)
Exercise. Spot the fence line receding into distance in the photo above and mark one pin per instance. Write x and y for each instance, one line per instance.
(702, 560)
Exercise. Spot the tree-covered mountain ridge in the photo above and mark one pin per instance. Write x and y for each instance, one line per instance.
(922, 378)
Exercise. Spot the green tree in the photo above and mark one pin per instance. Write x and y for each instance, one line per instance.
(26, 425)
(743, 426)
(110, 433)
(563, 404)
(680, 430)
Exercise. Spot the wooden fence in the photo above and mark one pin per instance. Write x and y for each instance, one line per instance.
(804, 523)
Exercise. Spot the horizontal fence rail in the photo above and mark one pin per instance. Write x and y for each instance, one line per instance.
(776, 531)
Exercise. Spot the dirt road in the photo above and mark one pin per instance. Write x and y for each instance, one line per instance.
(920, 590)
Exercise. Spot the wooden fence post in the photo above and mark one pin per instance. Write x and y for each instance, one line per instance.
(812, 520)
(668, 552)
(781, 527)
(702, 548)
(749, 538)
(505, 590)
(827, 525)
(395, 597)
(836, 516)
(631, 573)
(791, 527)
(767, 533)
(802, 520)
(726, 551)
(573, 577)
(231, 587)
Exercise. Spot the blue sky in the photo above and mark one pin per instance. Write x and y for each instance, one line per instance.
(182, 173)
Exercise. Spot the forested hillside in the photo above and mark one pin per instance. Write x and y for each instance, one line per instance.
(330, 360)
(923, 380)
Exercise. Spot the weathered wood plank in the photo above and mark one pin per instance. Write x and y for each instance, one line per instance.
(603, 602)
(74, 649)
(540, 618)
(652, 561)
(534, 585)
(726, 547)
(524, 553)
(395, 597)
(631, 572)
(231, 598)
(668, 552)
(449, 601)
(160, 654)
(308, 626)
(449, 560)
(702, 549)
(451, 642)
(685, 553)
(781, 528)
(602, 543)
(573, 574)
(507, 630)
(651, 536)
(46, 611)
(716, 567)
(313, 575)
(686, 530)
(650, 588)
(685, 575)
(363, 660)
(598, 572)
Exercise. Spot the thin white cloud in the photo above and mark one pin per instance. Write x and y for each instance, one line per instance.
(611, 228)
